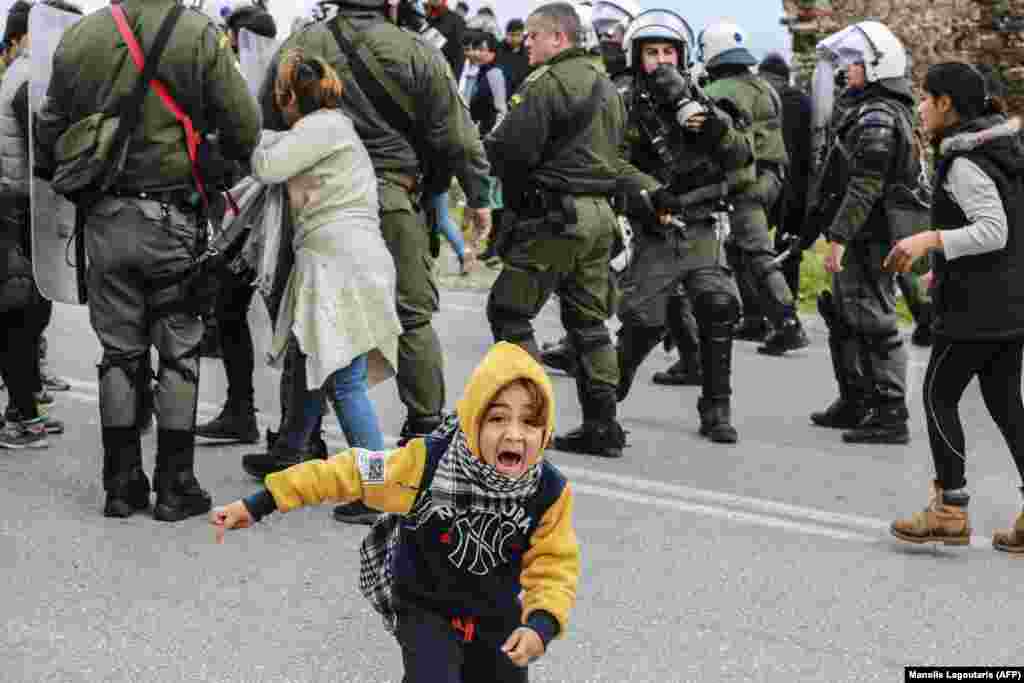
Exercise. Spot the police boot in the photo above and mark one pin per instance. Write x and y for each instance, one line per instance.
(685, 372)
(178, 494)
(635, 342)
(716, 420)
(850, 409)
(945, 520)
(124, 481)
(884, 423)
(236, 422)
(752, 329)
(790, 336)
(280, 458)
(560, 356)
(1011, 540)
(418, 427)
(713, 405)
(600, 434)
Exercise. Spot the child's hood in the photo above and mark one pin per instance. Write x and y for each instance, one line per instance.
(503, 364)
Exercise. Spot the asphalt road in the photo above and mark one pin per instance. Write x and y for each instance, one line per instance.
(769, 560)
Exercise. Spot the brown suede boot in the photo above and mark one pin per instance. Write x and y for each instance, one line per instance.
(940, 522)
(1010, 540)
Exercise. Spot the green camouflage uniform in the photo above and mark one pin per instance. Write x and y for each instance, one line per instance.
(550, 171)
(757, 188)
(453, 142)
(149, 225)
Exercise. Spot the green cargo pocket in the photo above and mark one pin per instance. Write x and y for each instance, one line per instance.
(520, 292)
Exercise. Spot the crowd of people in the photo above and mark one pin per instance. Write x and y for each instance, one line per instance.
(607, 155)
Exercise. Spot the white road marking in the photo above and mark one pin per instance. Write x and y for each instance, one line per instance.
(732, 507)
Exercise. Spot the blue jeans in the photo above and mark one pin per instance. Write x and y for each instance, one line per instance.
(445, 225)
(356, 413)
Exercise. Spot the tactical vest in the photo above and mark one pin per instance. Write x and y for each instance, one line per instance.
(904, 208)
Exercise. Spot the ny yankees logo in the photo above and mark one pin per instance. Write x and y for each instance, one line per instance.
(480, 541)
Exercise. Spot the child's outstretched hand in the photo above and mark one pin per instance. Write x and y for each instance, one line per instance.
(233, 516)
(523, 646)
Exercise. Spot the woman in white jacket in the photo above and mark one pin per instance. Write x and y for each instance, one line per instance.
(338, 314)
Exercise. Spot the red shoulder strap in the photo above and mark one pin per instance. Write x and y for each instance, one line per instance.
(191, 137)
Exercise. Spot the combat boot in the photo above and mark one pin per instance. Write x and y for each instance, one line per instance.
(945, 520)
(280, 457)
(789, 337)
(236, 422)
(560, 356)
(716, 420)
(1011, 540)
(178, 493)
(355, 513)
(603, 439)
(685, 372)
(751, 329)
(635, 342)
(418, 427)
(843, 413)
(883, 423)
(125, 483)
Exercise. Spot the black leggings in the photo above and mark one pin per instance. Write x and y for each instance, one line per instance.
(19, 354)
(951, 367)
(232, 311)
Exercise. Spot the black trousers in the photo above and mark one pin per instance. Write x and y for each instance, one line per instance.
(231, 311)
(952, 365)
(20, 331)
(433, 651)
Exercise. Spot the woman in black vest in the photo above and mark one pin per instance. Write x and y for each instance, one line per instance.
(977, 266)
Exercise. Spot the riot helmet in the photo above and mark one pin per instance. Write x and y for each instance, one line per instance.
(869, 43)
(722, 44)
(611, 17)
(658, 25)
(252, 16)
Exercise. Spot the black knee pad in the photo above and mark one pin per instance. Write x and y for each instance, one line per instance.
(590, 338)
(183, 366)
(717, 308)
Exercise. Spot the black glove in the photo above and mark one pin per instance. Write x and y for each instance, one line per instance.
(665, 201)
(714, 128)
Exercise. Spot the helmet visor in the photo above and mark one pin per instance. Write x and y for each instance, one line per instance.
(659, 24)
(849, 46)
(608, 18)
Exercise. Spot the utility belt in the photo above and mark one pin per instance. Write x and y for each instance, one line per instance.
(537, 212)
(185, 199)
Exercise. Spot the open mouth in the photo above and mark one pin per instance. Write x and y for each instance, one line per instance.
(509, 460)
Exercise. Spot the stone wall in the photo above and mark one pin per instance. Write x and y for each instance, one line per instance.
(979, 31)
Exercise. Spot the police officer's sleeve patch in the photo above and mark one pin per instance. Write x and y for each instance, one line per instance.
(371, 465)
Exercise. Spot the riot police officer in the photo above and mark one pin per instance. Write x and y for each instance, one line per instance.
(727, 62)
(144, 232)
(690, 144)
(406, 108)
(557, 154)
(863, 206)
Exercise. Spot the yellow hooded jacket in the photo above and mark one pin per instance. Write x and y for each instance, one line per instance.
(540, 561)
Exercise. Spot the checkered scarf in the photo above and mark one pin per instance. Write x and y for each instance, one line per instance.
(463, 483)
